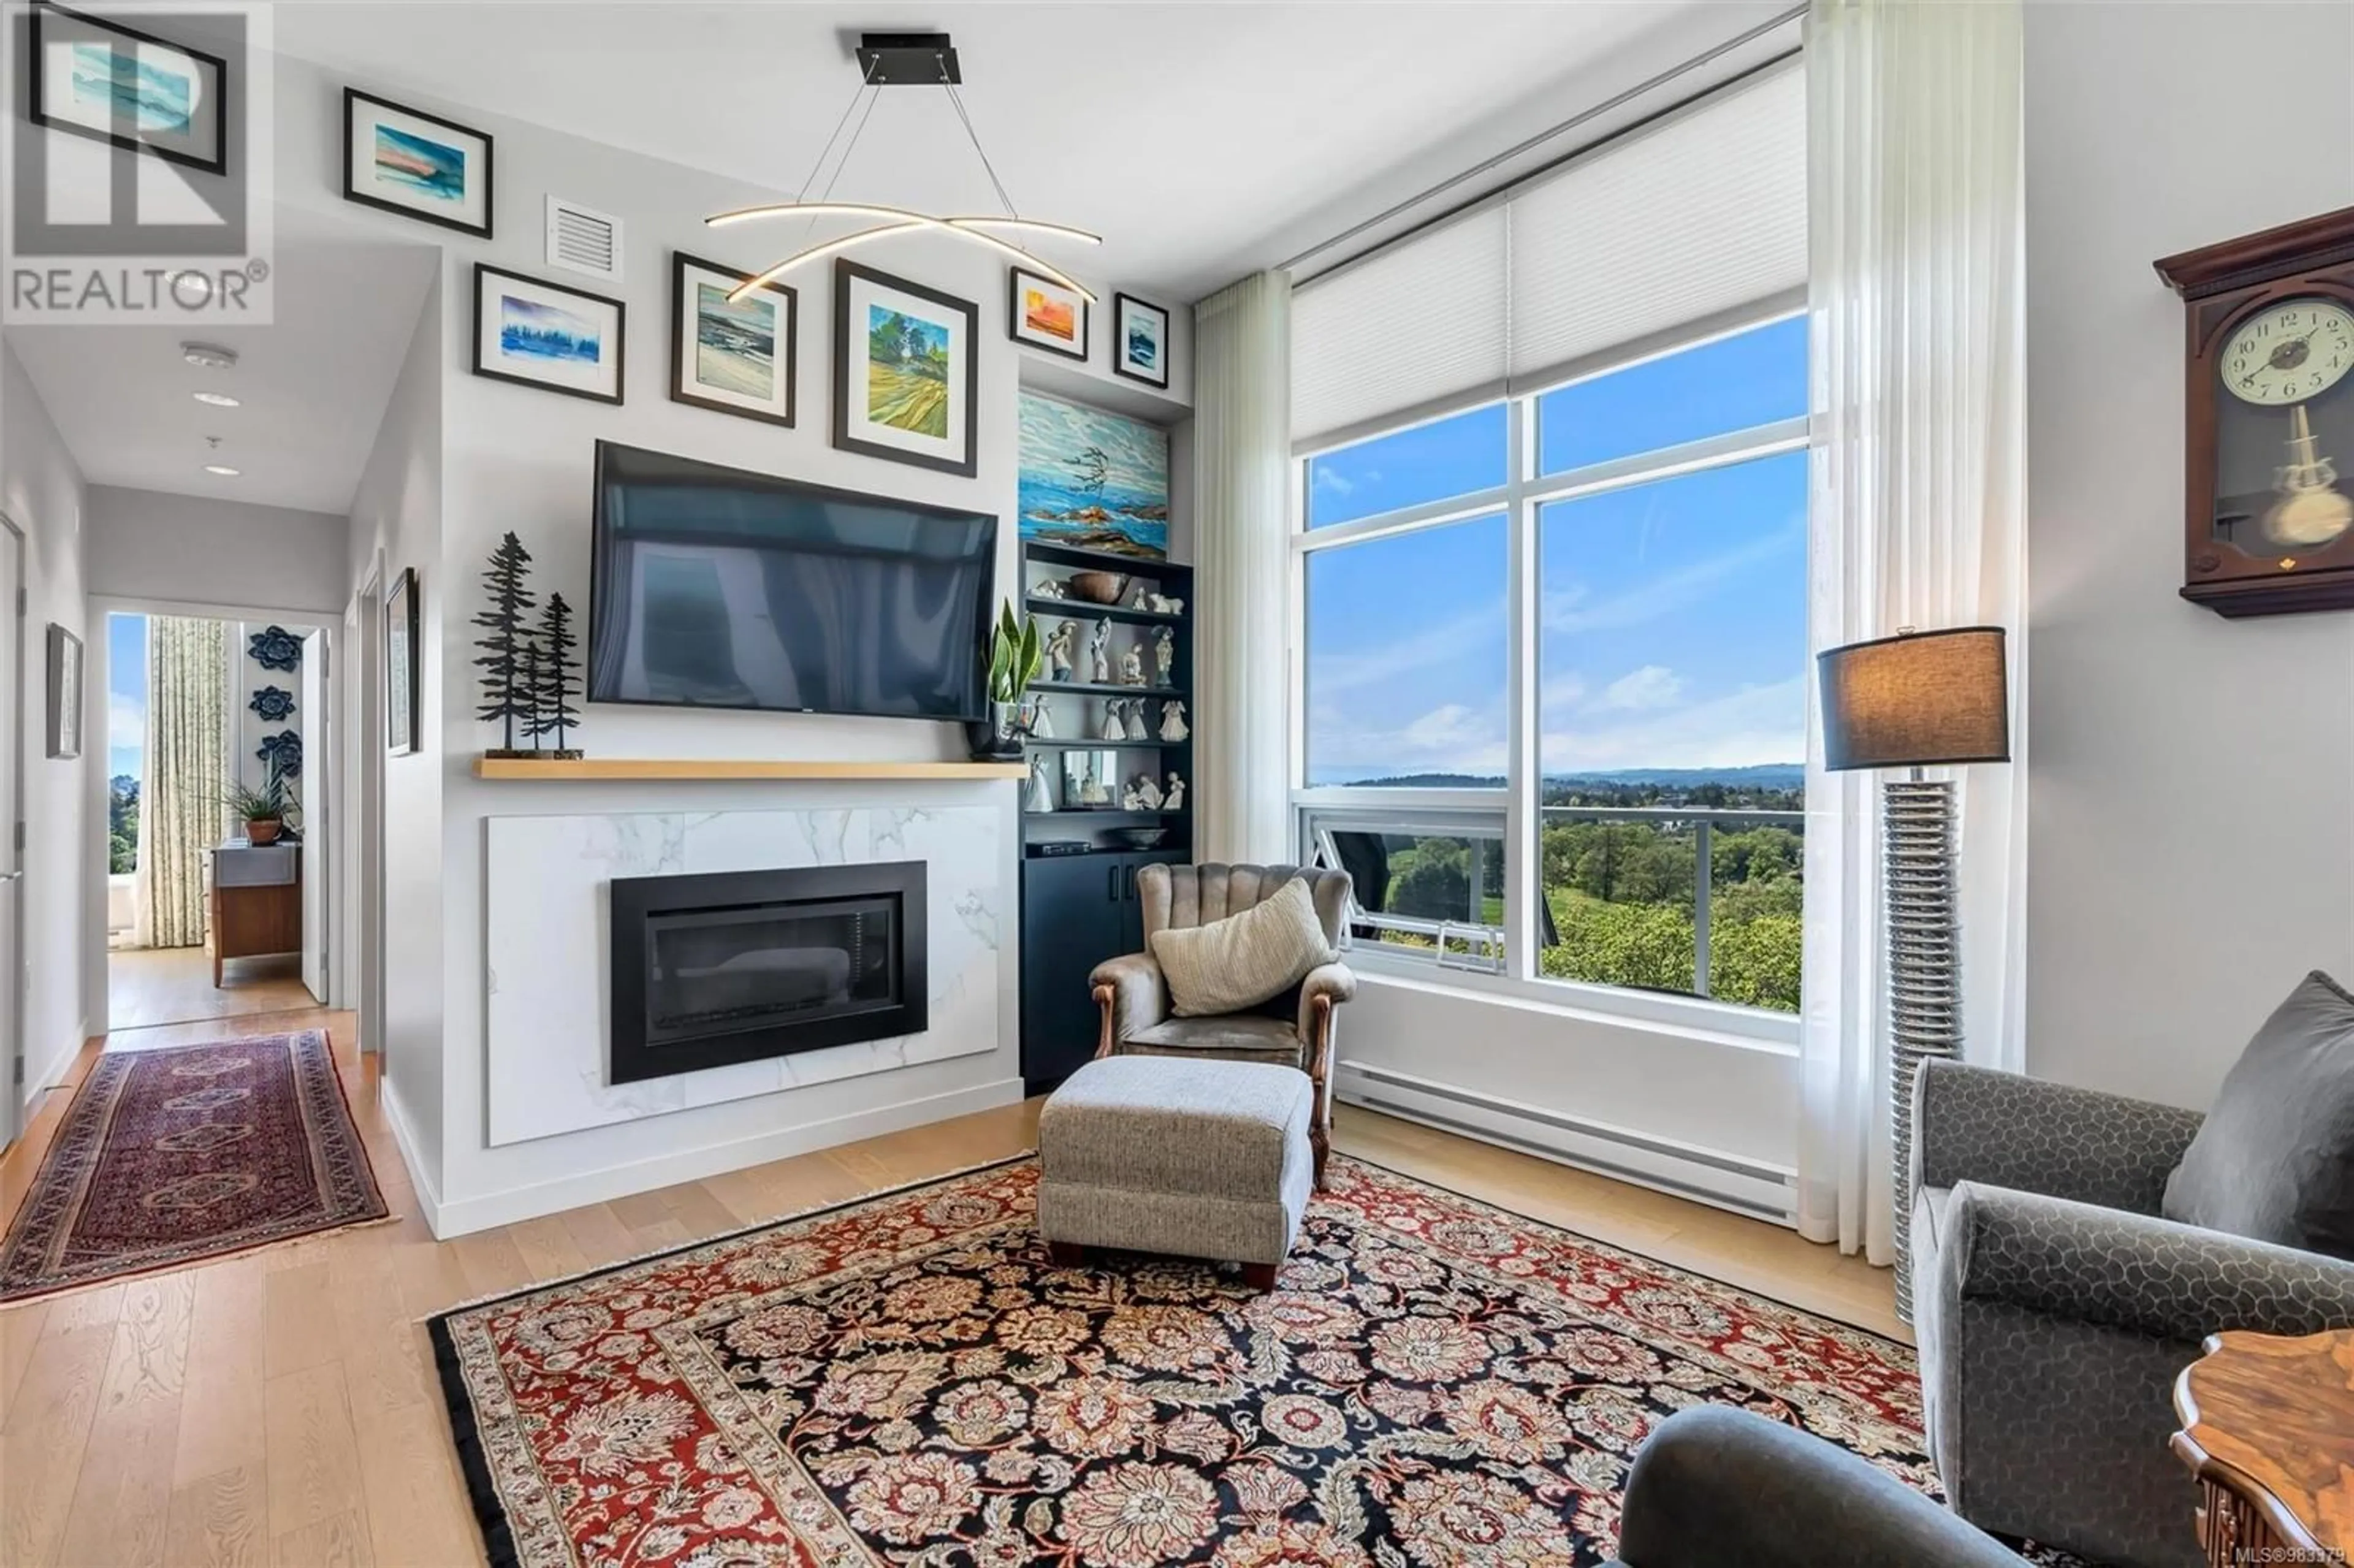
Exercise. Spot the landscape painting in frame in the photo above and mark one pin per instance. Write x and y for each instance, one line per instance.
(1047, 315)
(907, 378)
(1093, 480)
(731, 357)
(1139, 340)
(99, 79)
(417, 164)
(544, 334)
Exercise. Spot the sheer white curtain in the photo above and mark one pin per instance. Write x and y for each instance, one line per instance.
(1914, 193)
(1242, 464)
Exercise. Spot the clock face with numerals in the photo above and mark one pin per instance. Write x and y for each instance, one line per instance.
(2289, 352)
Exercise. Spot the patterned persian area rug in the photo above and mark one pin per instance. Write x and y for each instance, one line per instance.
(174, 1156)
(909, 1380)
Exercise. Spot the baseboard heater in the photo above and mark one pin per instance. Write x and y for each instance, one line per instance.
(1752, 1187)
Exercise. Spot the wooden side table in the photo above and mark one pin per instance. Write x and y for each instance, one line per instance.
(2268, 1429)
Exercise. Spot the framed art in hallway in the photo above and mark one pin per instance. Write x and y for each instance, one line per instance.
(537, 334)
(417, 164)
(1045, 314)
(1139, 340)
(94, 77)
(740, 358)
(64, 693)
(400, 664)
(907, 374)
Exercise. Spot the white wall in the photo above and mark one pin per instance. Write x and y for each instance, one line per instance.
(144, 544)
(2191, 806)
(42, 492)
(397, 521)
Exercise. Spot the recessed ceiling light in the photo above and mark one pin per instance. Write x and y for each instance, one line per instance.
(221, 469)
(208, 355)
(216, 399)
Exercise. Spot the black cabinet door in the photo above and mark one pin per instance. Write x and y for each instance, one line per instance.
(1072, 919)
(1131, 907)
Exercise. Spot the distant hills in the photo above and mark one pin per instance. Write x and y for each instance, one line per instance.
(1758, 775)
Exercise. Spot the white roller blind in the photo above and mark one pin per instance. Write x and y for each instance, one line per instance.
(1420, 321)
(1694, 216)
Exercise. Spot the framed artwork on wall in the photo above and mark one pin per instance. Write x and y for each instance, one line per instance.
(417, 164)
(1092, 478)
(543, 335)
(1139, 340)
(64, 693)
(1045, 314)
(400, 664)
(907, 372)
(738, 359)
(95, 78)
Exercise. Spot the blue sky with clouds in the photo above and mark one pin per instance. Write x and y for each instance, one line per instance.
(1673, 613)
(126, 693)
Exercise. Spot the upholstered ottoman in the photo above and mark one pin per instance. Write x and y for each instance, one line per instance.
(1159, 1154)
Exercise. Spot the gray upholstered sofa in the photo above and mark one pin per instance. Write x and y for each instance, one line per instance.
(1718, 1488)
(1294, 1030)
(2055, 1308)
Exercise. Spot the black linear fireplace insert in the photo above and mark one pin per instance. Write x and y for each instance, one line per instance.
(714, 970)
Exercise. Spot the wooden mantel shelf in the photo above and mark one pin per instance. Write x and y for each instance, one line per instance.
(644, 768)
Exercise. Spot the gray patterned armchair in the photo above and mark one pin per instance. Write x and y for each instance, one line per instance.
(1293, 1029)
(2055, 1308)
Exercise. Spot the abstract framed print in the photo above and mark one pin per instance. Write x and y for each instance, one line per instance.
(1045, 314)
(1139, 340)
(906, 372)
(417, 164)
(96, 78)
(400, 664)
(732, 358)
(537, 334)
(64, 693)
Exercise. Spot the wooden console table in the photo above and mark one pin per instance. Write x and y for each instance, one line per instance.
(2268, 1429)
(257, 903)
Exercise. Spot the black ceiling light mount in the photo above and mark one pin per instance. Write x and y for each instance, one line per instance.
(909, 59)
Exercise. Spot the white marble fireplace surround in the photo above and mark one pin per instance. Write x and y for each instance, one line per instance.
(547, 948)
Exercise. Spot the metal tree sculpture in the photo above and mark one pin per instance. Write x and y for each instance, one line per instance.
(505, 698)
(552, 686)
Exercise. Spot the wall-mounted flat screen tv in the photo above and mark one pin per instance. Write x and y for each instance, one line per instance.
(717, 588)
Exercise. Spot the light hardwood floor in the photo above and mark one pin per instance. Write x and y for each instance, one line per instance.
(281, 1408)
(148, 986)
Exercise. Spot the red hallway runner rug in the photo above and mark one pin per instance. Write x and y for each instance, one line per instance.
(176, 1156)
(910, 1379)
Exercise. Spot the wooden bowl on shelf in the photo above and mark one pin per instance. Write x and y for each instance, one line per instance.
(1099, 588)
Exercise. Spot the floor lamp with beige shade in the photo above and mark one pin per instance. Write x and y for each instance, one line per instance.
(1916, 700)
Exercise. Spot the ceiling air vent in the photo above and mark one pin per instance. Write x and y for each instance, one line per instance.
(581, 239)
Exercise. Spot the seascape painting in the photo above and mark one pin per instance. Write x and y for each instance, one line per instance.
(735, 345)
(532, 331)
(1042, 312)
(1091, 479)
(545, 334)
(1139, 340)
(431, 169)
(111, 82)
(1045, 314)
(731, 357)
(907, 372)
(405, 161)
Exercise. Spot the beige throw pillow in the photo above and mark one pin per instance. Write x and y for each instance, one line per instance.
(1244, 960)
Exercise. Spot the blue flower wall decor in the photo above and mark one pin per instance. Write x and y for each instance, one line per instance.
(283, 752)
(272, 702)
(276, 648)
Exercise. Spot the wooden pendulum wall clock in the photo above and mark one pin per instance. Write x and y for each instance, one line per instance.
(2268, 528)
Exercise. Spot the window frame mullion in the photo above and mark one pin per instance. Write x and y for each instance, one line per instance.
(1525, 771)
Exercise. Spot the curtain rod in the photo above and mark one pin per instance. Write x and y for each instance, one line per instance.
(1583, 117)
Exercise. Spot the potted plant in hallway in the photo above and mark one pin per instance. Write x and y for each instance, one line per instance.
(262, 810)
(1014, 656)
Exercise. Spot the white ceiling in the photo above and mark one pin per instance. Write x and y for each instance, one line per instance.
(1181, 132)
(312, 384)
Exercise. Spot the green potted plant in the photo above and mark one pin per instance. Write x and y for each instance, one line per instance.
(1014, 657)
(263, 810)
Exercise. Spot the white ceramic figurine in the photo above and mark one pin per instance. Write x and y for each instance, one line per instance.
(1063, 650)
(1099, 654)
(1174, 799)
(1164, 654)
(1172, 720)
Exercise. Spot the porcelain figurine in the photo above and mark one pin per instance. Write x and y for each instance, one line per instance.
(1164, 655)
(1040, 797)
(1052, 587)
(1172, 720)
(1099, 654)
(1063, 650)
(1159, 605)
(1131, 666)
(1115, 728)
(1174, 799)
(1143, 795)
(1041, 719)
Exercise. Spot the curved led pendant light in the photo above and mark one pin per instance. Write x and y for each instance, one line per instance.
(903, 59)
